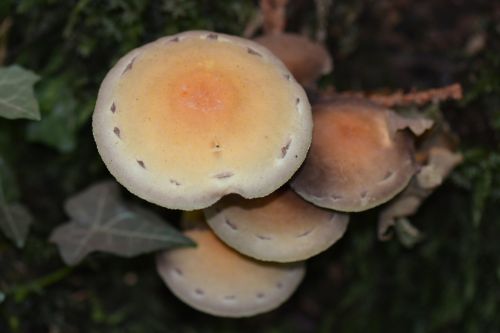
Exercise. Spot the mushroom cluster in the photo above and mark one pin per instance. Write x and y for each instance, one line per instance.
(203, 120)
(187, 119)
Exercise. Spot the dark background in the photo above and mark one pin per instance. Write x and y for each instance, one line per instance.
(450, 282)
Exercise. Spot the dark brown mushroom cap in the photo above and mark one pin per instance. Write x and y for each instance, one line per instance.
(358, 159)
(186, 119)
(281, 227)
(307, 60)
(216, 279)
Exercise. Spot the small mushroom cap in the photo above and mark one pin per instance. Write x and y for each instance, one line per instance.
(307, 60)
(188, 118)
(357, 159)
(215, 279)
(281, 227)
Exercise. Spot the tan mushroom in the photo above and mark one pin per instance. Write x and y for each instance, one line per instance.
(188, 118)
(215, 279)
(281, 227)
(306, 59)
(361, 155)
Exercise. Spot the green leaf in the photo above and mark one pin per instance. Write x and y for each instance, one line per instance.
(15, 219)
(102, 222)
(17, 98)
(2, 297)
(56, 130)
(63, 115)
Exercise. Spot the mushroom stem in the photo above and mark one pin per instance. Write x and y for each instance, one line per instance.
(322, 11)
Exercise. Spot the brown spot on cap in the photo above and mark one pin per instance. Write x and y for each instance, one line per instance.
(253, 52)
(230, 224)
(129, 66)
(285, 148)
(212, 36)
(224, 175)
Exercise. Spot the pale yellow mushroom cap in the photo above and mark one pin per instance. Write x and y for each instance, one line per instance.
(281, 227)
(216, 279)
(188, 118)
(358, 159)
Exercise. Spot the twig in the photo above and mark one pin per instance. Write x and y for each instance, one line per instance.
(399, 98)
(274, 15)
(20, 292)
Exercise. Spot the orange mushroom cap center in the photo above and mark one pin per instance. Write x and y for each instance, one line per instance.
(204, 91)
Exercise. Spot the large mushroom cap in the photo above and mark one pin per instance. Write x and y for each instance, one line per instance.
(281, 227)
(189, 118)
(307, 60)
(218, 280)
(358, 158)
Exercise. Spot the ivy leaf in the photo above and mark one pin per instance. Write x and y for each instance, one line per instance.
(17, 98)
(101, 221)
(15, 219)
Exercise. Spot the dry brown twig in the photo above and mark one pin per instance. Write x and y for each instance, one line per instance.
(274, 15)
(399, 98)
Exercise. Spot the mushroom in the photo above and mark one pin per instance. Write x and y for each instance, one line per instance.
(281, 227)
(215, 279)
(360, 156)
(186, 119)
(306, 59)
